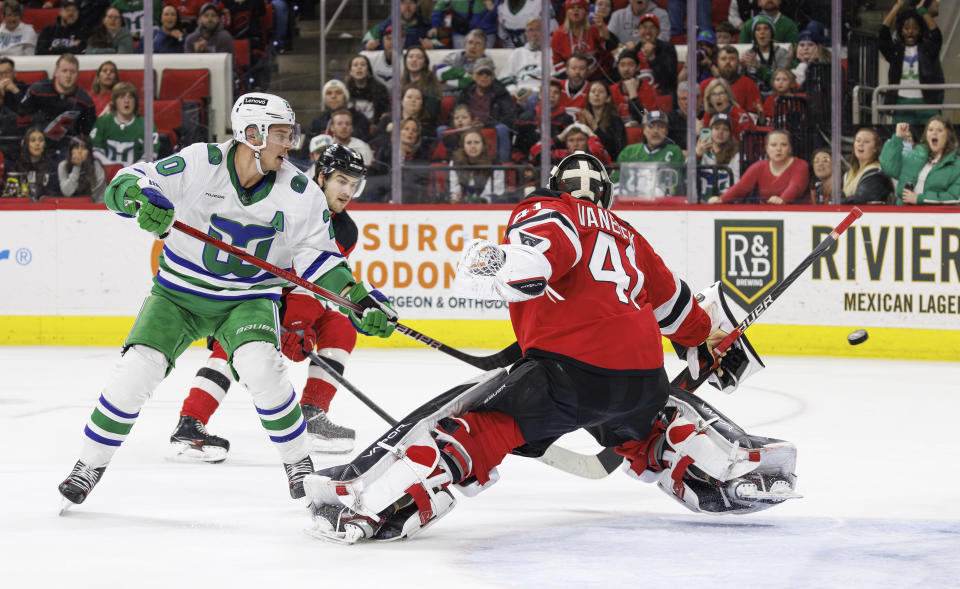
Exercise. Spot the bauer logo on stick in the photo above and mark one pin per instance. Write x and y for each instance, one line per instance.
(748, 257)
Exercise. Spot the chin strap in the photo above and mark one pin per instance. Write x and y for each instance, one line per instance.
(256, 160)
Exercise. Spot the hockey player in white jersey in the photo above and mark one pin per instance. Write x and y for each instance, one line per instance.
(244, 192)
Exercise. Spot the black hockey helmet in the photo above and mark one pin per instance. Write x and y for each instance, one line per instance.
(583, 176)
(340, 158)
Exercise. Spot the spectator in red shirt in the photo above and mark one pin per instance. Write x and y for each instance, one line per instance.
(634, 94)
(784, 84)
(188, 10)
(745, 90)
(719, 98)
(577, 35)
(573, 95)
(779, 179)
(576, 137)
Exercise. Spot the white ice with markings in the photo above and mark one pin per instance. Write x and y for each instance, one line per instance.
(877, 462)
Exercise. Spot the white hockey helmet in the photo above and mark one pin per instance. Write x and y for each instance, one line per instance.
(260, 110)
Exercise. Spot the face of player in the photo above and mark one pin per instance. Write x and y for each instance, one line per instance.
(627, 69)
(36, 144)
(280, 139)
(778, 148)
(781, 83)
(475, 46)
(910, 32)
(69, 14)
(576, 14)
(126, 105)
(763, 35)
(334, 98)
(576, 142)
(409, 133)
(822, 166)
(719, 134)
(461, 118)
(412, 102)
(65, 75)
(342, 127)
(647, 31)
(727, 64)
(936, 135)
(598, 95)
(576, 71)
(534, 38)
(719, 99)
(473, 145)
(865, 147)
(112, 20)
(655, 134)
(11, 18)
(339, 189)
(415, 60)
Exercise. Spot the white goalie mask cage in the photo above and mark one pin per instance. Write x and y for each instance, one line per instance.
(582, 175)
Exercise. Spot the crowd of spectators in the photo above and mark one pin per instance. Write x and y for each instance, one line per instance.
(469, 131)
(619, 91)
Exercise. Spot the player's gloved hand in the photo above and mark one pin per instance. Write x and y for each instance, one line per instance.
(378, 317)
(153, 210)
(703, 356)
(300, 312)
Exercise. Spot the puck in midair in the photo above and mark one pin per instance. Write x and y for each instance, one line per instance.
(857, 337)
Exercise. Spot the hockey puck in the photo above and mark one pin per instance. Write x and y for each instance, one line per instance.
(857, 337)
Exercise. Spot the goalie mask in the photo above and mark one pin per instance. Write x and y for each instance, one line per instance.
(252, 117)
(343, 159)
(583, 176)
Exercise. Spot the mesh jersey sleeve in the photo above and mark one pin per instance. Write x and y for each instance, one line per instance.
(676, 310)
(546, 225)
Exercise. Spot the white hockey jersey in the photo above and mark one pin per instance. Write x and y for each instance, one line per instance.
(283, 220)
(512, 26)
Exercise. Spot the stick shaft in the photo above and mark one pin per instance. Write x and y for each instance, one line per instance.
(503, 358)
(346, 384)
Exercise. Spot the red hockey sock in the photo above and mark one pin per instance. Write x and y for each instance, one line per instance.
(318, 392)
(643, 455)
(492, 436)
(199, 404)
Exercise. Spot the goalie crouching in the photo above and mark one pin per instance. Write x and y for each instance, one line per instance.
(589, 299)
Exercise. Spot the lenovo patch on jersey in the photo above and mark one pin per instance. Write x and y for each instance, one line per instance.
(748, 257)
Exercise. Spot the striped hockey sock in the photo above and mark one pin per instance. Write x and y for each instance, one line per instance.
(285, 426)
(106, 429)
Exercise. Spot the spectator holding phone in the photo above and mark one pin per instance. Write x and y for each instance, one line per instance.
(718, 147)
(928, 174)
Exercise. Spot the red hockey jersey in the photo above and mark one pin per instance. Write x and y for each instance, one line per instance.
(619, 296)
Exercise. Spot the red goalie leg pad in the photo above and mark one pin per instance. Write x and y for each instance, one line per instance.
(491, 436)
(643, 455)
(318, 392)
(200, 405)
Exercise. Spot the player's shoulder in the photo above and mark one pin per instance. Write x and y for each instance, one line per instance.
(291, 178)
(205, 154)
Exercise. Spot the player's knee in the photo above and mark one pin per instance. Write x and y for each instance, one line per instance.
(260, 368)
(137, 374)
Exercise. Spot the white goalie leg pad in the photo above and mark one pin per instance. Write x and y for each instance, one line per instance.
(509, 272)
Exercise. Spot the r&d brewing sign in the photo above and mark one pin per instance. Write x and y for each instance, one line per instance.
(748, 257)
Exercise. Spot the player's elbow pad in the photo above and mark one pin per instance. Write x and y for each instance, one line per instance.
(524, 275)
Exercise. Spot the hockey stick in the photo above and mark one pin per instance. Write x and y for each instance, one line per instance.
(606, 461)
(504, 357)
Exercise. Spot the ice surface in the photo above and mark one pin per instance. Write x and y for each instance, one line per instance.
(878, 455)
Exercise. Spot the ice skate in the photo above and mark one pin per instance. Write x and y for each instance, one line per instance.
(769, 490)
(326, 436)
(340, 525)
(78, 484)
(192, 441)
(295, 473)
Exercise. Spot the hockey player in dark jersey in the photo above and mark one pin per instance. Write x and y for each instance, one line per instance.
(589, 299)
(308, 325)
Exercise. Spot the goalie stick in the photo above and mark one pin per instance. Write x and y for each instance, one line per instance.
(504, 357)
(607, 460)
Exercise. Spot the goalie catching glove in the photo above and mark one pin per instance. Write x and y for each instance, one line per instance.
(511, 273)
(143, 199)
(377, 317)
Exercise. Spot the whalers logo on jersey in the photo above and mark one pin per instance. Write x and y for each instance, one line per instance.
(748, 257)
(259, 237)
